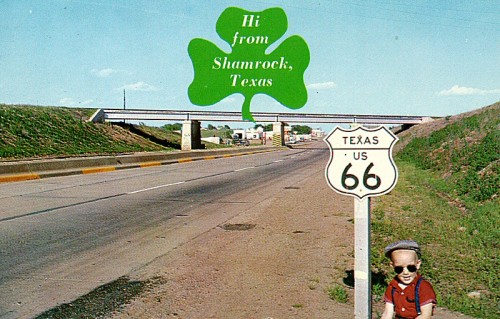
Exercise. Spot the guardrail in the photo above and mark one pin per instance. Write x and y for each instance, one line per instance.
(220, 116)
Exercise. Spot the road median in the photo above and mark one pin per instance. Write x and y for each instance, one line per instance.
(15, 171)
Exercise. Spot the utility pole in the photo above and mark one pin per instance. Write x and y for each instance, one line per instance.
(124, 121)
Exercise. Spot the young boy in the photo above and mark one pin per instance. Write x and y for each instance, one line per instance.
(409, 296)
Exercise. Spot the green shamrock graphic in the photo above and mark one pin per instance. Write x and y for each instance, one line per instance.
(248, 69)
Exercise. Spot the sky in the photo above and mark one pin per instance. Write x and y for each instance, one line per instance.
(432, 58)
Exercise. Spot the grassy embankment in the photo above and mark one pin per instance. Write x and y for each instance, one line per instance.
(447, 199)
(34, 132)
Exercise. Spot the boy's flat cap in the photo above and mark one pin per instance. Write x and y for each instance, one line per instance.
(402, 244)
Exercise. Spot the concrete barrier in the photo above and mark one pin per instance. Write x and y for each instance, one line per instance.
(44, 168)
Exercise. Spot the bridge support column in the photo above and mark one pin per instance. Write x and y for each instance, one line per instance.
(279, 134)
(191, 135)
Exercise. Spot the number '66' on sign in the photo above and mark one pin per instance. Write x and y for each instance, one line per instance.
(361, 161)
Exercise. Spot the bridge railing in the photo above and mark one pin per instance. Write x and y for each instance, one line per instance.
(221, 116)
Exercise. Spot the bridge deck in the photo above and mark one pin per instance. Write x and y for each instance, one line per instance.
(222, 116)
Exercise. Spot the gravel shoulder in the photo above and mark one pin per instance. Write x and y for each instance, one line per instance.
(275, 261)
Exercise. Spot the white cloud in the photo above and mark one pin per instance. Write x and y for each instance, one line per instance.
(104, 73)
(322, 86)
(462, 90)
(139, 86)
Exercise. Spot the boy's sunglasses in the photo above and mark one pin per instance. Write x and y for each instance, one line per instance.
(399, 269)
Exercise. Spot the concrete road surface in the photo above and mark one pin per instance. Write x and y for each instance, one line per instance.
(62, 237)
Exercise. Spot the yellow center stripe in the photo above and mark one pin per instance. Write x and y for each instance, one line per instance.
(149, 164)
(98, 170)
(19, 177)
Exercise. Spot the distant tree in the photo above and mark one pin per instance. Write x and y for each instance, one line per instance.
(211, 127)
(227, 126)
(268, 127)
(301, 129)
(256, 126)
(172, 127)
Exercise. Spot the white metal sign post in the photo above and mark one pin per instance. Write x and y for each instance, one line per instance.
(361, 165)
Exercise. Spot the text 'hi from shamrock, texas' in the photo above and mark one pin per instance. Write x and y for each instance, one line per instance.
(237, 79)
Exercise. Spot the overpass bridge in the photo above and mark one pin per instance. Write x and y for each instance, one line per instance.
(221, 116)
(191, 136)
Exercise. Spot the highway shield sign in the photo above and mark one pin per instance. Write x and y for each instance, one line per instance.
(361, 162)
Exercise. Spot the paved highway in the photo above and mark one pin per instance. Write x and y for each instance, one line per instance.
(62, 237)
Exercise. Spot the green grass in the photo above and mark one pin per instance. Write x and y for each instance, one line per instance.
(42, 131)
(338, 293)
(33, 131)
(162, 134)
(221, 132)
(466, 153)
(447, 199)
(460, 248)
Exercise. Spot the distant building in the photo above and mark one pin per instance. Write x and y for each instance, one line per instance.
(318, 133)
(255, 134)
(249, 134)
(213, 139)
(241, 133)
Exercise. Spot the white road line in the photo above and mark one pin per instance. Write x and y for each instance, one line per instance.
(242, 169)
(156, 187)
(178, 183)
